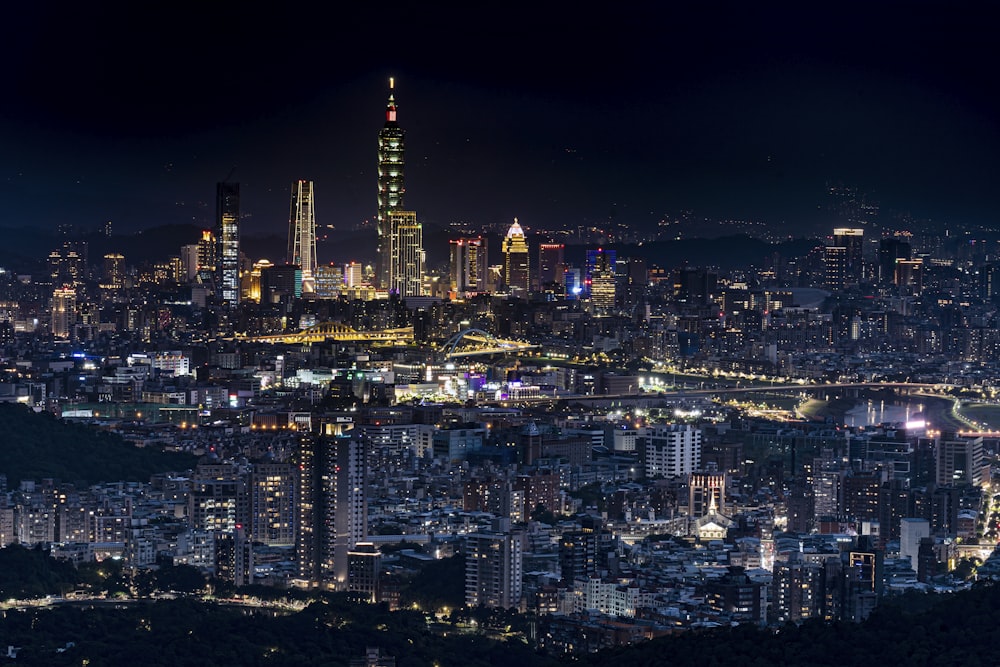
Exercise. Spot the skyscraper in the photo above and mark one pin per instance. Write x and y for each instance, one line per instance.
(516, 273)
(601, 280)
(331, 507)
(852, 240)
(63, 311)
(468, 266)
(405, 274)
(551, 263)
(391, 148)
(227, 216)
(302, 233)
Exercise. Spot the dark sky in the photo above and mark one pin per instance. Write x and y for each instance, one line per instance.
(552, 112)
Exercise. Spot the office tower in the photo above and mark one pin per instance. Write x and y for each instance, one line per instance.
(208, 249)
(959, 460)
(254, 289)
(329, 281)
(391, 150)
(835, 267)
(114, 271)
(302, 233)
(189, 261)
(405, 275)
(270, 505)
(910, 274)
(601, 280)
(551, 263)
(694, 285)
(890, 250)
(468, 266)
(493, 567)
(852, 240)
(670, 450)
(331, 507)
(280, 283)
(353, 274)
(364, 567)
(227, 216)
(63, 311)
(516, 273)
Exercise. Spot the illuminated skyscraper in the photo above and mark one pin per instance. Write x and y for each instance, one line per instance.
(406, 254)
(391, 148)
(63, 311)
(302, 233)
(517, 275)
(468, 266)
(331, 507)
(227, 208)
(601, 280)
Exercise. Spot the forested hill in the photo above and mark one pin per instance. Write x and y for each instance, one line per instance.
(34, 446)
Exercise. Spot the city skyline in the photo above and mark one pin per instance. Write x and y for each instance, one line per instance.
(559, 121)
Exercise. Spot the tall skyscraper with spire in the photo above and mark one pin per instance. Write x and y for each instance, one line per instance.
(516, 272)
(302, 234)
(227, 221)
(391, 149)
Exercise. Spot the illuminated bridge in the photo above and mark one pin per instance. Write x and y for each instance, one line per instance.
(476, 342)
(335, 331)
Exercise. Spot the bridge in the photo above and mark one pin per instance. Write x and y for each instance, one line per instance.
(476, 342)
(336, 331)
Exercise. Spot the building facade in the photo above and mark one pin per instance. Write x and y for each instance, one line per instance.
(302, 233)
(391, 153)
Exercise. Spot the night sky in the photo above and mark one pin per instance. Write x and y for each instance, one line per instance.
(558, 115)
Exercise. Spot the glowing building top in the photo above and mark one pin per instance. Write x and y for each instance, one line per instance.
(515, 261)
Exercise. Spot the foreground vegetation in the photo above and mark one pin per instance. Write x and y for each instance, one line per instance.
(327, 629)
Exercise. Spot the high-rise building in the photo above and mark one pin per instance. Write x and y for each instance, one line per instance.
(329, 281)
(227, 216)
(468, 266)
(909, 274)
(406, 254)
(889, 251)
(551, 263)
(63, 311)
(302, 233)
(331, 507)
(601, 280)
(959, 460)
(270, 504)
(493, 567)
(670, 450)
(852, 240)
(208, 250)
(391, 150)
(363, 570)
(835, 267)
(516, 267)
(114, 271)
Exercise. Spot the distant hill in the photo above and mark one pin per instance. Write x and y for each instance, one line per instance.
(39, 445)
(25, 249)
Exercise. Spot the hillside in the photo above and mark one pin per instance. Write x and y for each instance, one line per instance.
(38, 445)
